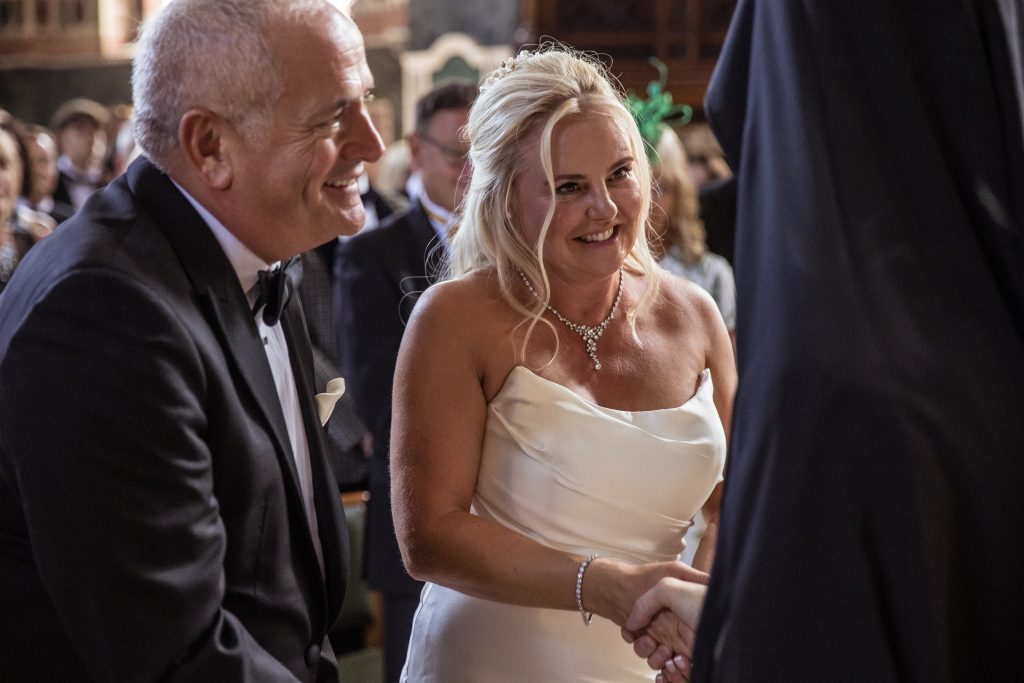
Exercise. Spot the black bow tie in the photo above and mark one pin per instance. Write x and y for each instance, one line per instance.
(274, 287)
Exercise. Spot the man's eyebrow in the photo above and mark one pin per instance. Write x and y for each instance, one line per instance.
(336, 106)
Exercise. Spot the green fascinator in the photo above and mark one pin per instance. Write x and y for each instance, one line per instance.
(657, 109)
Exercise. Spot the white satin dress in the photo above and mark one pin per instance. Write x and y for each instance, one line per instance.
(580, 478)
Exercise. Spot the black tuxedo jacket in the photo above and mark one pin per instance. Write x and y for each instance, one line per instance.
(872, 510)
(380, 275)
(151, 523)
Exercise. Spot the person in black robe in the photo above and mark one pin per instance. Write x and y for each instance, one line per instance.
(873, 499)
(872, 511)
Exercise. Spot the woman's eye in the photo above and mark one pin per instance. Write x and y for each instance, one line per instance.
(567, 188)
(621, 172)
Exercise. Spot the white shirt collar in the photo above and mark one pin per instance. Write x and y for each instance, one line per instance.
(440, 217)
(77, 175)
(247, 265)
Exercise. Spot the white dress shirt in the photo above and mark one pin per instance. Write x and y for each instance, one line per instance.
(81, 183)
(247, 266)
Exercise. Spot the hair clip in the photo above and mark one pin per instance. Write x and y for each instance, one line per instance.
(657, 109)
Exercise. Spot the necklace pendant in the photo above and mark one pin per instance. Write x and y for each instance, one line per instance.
(589, 335)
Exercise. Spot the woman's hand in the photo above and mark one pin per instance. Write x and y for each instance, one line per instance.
(612, 588)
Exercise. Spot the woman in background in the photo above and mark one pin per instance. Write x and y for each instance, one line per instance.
(677, 231)
(20, 227)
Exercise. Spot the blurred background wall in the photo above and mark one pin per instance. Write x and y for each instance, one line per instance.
(53, 50)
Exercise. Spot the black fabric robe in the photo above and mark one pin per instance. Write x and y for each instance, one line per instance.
(874, 496)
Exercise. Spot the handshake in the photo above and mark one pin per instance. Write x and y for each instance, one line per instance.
(658, 606)
(663, 625)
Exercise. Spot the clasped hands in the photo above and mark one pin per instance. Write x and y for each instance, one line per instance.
(663, 624)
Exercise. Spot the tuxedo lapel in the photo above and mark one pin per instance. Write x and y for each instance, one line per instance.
(220, 296)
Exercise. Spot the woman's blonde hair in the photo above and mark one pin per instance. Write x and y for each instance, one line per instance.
(683, 226)
(521, 101)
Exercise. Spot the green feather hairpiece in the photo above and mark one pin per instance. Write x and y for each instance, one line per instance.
(657, 109)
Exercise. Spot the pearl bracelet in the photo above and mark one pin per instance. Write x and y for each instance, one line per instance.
(587, 616)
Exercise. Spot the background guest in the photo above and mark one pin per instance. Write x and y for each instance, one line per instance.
(718, 212)
(679, 231)
(42, 154)
(379, 277)
(79, 126)
(716, 186)
(395, 171)
(17, 235)
(120, 138)
(348, 440)
(706, 162)
(124, 149)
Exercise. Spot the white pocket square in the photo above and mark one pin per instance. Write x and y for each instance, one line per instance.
(325, 401)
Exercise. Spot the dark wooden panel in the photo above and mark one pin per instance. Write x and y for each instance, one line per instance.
(685, 34)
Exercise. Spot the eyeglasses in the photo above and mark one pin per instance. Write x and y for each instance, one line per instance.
(454, 156)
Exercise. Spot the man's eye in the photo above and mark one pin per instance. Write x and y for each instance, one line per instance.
(335, 122)
(369, 97)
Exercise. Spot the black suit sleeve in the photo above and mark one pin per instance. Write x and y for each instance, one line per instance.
(370, 329)
(116, 484)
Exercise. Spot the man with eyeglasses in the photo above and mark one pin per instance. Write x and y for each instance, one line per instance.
(379, 276)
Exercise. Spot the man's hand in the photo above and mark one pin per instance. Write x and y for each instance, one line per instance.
(663, 626)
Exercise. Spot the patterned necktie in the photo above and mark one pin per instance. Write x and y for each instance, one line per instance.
(275, 287)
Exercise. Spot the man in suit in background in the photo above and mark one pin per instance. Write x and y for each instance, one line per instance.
(347, 437)
(379, 276)
(167, 508)
(78, 125)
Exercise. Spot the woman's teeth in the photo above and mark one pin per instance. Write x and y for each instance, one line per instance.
(598, 236)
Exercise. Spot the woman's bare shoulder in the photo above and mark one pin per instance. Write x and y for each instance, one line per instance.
(462, 296)
(684, 297)
(466, 318)
(470, 306)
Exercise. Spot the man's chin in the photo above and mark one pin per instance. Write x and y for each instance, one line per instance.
(350, 221)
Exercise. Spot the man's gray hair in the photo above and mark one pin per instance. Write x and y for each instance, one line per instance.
(213, 54)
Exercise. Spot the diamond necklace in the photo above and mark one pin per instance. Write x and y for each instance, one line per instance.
(590, 335)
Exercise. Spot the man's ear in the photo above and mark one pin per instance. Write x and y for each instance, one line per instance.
(203, 137)
(415, 149)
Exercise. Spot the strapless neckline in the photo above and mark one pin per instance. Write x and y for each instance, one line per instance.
(704, 376)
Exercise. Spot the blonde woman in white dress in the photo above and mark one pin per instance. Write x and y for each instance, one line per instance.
(560, 403)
